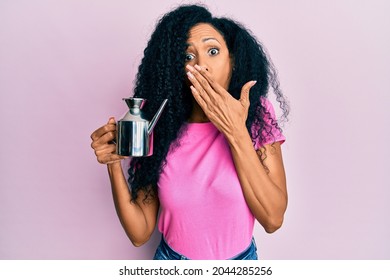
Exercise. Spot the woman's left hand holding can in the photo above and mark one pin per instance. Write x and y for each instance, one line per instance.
(104, 145)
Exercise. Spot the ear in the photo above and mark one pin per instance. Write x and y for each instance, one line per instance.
(232, 62)
(232, 67)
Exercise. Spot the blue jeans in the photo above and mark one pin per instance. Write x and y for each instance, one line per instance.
(164, 252)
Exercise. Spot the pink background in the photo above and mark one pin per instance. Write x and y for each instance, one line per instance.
(65, 65)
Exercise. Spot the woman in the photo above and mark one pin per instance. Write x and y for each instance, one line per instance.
(217, 163)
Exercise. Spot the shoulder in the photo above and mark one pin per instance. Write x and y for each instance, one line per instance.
(266, 129)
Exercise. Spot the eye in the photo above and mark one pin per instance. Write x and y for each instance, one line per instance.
(213, 51)
(189, 56)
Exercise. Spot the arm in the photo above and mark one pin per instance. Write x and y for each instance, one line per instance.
(265, 193)
(137, 218)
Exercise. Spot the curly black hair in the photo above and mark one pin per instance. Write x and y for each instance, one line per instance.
(161, 75)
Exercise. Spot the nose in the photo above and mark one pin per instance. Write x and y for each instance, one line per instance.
(202, 62)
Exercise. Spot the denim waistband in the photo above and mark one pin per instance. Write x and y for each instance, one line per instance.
(249, 253)
(165, 252)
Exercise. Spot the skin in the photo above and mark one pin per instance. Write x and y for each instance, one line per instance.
(208, 67)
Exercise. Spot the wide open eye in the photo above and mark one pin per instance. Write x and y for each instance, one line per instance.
(189, 56)
(213, 51)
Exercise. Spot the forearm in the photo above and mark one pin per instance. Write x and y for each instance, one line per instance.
(130, 213)
(266, 197)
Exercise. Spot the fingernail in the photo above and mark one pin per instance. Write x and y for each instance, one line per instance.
(253, 83)
(197, 67)
(193, 89)
(189, 74)
(189, 67)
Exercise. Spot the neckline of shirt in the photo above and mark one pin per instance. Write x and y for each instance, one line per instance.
(205, 126)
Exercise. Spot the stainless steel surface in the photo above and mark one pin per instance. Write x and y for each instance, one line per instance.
(133, 139)
(135, 133)
(156, 117)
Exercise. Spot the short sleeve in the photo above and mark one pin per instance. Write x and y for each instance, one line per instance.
(271, 132)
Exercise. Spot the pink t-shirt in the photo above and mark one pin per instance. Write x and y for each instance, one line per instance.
(204, 214)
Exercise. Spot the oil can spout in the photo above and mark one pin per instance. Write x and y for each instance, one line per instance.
(156, 117)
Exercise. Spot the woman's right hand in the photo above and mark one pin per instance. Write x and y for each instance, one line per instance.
(103, 145)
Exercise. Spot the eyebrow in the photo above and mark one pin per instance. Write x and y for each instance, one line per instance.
(205, 40)
(208, 39)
